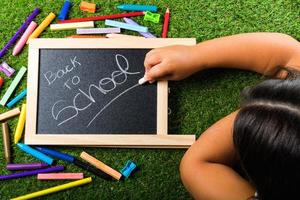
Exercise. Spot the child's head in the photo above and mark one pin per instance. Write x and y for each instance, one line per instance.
(267, 138)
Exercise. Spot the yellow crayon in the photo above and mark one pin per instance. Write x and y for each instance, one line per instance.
(20, 125)
(42, 26)
(55, 189)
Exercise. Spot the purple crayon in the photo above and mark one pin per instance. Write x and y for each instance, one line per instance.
(25, 166)
(31, 173)
(145, 34)
(19, 31)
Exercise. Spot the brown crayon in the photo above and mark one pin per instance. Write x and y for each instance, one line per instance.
(6, 142)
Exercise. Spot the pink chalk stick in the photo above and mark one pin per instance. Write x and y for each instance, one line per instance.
(59, 176)
(19, 46)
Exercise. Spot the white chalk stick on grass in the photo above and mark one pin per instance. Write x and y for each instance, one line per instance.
(83, 31)
(68, 26)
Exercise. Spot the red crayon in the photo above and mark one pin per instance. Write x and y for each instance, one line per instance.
(166, 24)
(104, 17)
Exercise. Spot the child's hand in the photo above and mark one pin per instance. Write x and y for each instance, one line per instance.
(169, 63)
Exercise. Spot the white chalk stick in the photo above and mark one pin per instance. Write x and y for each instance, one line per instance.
(67, 26)
(142, 81)
(82, 31)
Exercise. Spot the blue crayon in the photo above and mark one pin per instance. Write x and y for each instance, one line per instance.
(126, 26)
(136, 7)
(35, 153)
(56, 154)
(64, 10)
(17, 98)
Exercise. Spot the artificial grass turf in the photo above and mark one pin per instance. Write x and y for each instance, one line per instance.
(196, 102)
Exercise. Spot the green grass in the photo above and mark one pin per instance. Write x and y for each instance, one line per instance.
(196, 102)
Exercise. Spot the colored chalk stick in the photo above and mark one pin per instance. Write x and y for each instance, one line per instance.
(132, 22)
(123, 36)
(83, 31)
(20, 125)
(64, 10)
(1, 82)
(100, 165)
(25, 166)
(19, 46)
(19, 31)
(17, 98)
(6, 69)
(13, 86)
(137, 7)
(68, 26)
(6, 142)
(86, 36)
(55, 189)
(59, 176)
(42, 27)
(86, 6)
(35, 153)
(31, 172)
(114, 23)
(9, 114)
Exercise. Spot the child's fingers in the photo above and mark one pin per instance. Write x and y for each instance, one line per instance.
(158, 72)
(151, 60)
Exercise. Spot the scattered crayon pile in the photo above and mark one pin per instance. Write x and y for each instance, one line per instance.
(85, 28)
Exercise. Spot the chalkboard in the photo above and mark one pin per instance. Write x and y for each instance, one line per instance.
(94, 91)
(85, 92)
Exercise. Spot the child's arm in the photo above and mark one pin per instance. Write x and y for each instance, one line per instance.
(265, 53)
(206, 167)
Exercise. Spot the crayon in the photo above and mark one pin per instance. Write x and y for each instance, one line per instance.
(6, 69)
(12, 86)
(17, 98)
(166, 24)
(60, 176)
(64, 10)
(146, 35)
(97, 30)
(9, 114)
(68, 26)
(104, 17)
(55, 189)
(31, 172)
(126, 26)
(86, 36)
(1, 82)
(19, 31)
(100, 165)
(25, 166)
(71, 159)
(137, 7)
(35, 153)
(6, 142)
(20, 44)
(20, 125)
(42, 26)
(86, 6)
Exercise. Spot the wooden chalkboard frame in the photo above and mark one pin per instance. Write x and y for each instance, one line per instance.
(159, 140)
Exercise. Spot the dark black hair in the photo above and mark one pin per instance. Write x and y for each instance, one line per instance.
(266, 137)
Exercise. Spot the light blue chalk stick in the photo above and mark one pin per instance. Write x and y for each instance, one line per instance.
(17, 98)
(35, 153)
(13, 86)
(126, 26)
(137, 7)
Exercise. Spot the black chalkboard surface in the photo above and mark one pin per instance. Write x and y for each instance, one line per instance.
(94, 91)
